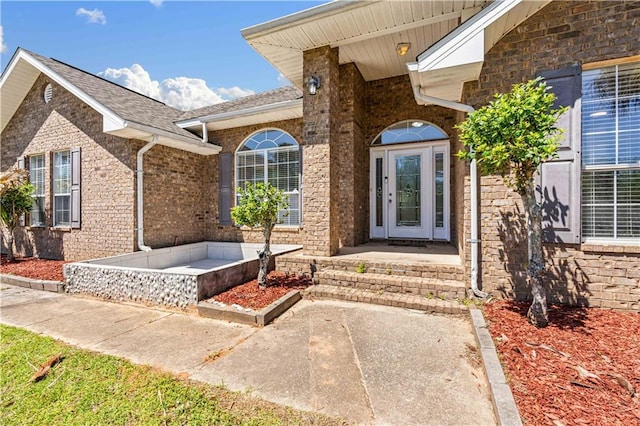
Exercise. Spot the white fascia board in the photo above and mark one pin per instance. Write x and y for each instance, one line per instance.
(184, 143)
(467, 33)
(469, 52)
(106, 112)
(109, 125)
(261, 109)
(9, 68)
(299, 18)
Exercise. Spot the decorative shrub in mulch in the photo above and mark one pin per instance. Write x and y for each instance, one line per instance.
(584, 368)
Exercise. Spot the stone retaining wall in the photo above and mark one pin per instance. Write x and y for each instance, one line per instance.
(161, 288)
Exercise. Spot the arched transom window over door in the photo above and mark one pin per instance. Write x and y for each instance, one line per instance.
(410, 131)
(272, 156)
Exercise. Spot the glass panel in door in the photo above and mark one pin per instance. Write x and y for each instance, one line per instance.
(408, 207)
(409, 193)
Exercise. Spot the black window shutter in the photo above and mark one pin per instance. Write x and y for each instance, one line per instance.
(21, 165)
(75, 187)
(225, 159)
(559, 179)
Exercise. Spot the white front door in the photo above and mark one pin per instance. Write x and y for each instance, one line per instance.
(410, 192)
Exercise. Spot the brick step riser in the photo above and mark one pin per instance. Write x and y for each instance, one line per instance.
(439, 272)
(422, 289)
(419, 272)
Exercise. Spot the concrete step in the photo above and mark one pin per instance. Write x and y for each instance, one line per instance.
(408, 301)
(427, 287)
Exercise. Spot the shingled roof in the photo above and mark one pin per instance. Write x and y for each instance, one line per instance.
(131, 106)
(130, 114)
(270, 97)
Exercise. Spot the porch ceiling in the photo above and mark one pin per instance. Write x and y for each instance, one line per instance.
(366, 32)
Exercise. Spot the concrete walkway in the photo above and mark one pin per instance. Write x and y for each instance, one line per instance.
(368, 364)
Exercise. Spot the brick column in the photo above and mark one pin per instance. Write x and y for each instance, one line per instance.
(354, 159)
(320, 154)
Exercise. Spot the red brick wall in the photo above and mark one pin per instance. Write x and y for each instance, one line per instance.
(321, 160)
(178, 196)
(230, 140)
(107, 165)
(561, 34)
(354, 159)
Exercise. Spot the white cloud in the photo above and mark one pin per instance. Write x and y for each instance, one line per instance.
(95, 16)
(234, 92)
(3, 47)
(184, 93)
(283, 81)
(156, 3)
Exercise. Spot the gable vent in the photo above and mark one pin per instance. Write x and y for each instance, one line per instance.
(48, 93)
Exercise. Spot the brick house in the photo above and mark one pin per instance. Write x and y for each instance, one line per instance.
(364, 145)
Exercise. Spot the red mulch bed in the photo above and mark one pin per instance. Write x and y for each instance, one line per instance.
(250, 295)
(31, 267)
(581, 369)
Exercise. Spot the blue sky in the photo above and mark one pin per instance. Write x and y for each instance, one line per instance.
(181, 48)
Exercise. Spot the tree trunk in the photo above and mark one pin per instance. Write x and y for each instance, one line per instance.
(10, 239)
(263, 256)
(537, 313)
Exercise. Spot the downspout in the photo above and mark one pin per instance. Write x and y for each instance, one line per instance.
(140, 187)
(474, 240)
(205, 132)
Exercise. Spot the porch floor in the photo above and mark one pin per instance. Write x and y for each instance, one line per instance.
(437, 254)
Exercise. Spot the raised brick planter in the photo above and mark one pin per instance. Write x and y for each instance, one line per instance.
(248, 316)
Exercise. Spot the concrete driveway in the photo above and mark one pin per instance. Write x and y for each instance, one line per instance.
(368, 364)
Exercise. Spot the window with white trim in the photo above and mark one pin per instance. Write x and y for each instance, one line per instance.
(62, 188)
(37, 177)
(611, 153)
(272, 156)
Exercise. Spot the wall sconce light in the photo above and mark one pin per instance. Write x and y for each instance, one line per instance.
(313, 84)
(402, 48)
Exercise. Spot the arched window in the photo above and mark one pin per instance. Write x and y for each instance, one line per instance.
(410, 131)
(272, 156)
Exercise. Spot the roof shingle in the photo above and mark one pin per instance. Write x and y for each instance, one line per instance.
(282, 94)
(129, 105)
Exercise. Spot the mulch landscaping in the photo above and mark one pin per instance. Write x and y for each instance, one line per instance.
(250, 295)
(31, 267)
(584, 368)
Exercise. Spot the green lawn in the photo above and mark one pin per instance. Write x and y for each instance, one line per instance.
(89, 388)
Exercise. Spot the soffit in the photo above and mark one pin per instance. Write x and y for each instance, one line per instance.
(15, 86)
(366, 33)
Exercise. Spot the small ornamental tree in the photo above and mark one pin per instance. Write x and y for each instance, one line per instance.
(15, 200)
(258, 207)
(512, 137)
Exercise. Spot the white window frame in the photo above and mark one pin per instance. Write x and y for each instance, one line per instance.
(59, 195)
(40, 191)
(608, 168)
(265, 178)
